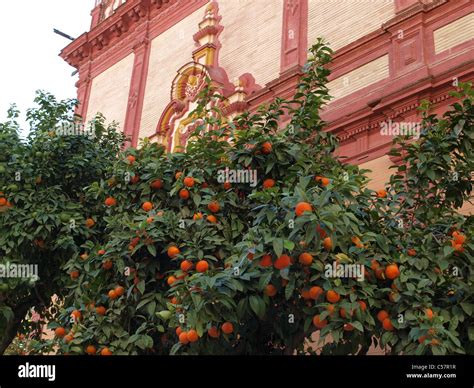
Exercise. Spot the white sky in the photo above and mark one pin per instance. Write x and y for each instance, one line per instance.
(29, 49)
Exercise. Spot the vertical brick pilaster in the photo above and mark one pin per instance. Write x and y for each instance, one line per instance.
(294, 42)
(137, 90)
(83, 90)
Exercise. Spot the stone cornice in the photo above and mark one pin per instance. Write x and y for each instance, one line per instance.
(122, 22)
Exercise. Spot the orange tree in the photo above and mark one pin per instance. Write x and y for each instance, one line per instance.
(43, 211)
(187, 260)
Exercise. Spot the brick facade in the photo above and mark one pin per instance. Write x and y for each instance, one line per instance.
(389, 55)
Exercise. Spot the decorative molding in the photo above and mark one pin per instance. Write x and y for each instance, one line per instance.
(173, 128)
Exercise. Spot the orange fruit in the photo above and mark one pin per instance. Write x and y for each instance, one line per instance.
(331, 309)
(178, 175)
(212, 219)
(183, 338)
(131, 159)
(382, 315)
(150, 219)
(91, 350)
(387, 324)
(318, 323)
(282, 262)
(214, 206)
(179, 330)
(429, 314)
(192, 335)
(382, 193)
(332, 296)
(392, 271)
(202, 266)
(411, 252)
(422, 339)
(302, 207)
(266, 261)
(380, 273)
(227, 328)
(327, 243)
(76, 314)
(186, 265)
(74, 275)
(268, 183)
(305, 258)
(197, 216)
(459, 238)
(457, 247)
(183, 194)
(188, 181)
(3, 201)
(101, 252)
(323, 180)
(305, 294)
(434, 342)
(119, 290)
(135, 179)
(342, 313)
(90, 223)
(147, 206)
(110, 202)
(362, 305)
(60, 332)
(156, 184)
(68, 338)
(100, 310)
(173, 251)
(348, 327)
(374, 264)
(267, 148)
(270, 290)
(107, 265)
(315, 292)
(171, 280)
(112, 295)
(227, 185)
(105, 352)
(213, 332)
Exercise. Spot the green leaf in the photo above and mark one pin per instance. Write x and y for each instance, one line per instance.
(467, 307)
(290, 287)
(152, 249)
(257, 305)
(278, 246)
(289, 245)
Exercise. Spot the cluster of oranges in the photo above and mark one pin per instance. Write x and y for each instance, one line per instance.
(457, 241)
(191, 336)
(333, 297)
